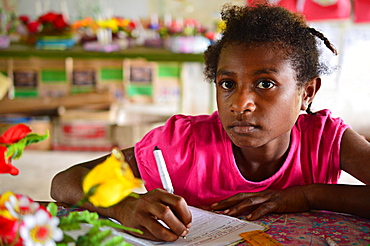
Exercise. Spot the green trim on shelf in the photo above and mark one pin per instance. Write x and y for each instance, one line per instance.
(146, 90)
(168, 70)
(111, 73)
(53, 76)
(25, 93)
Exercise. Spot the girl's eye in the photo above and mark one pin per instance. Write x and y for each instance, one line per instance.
(226, 85)
(265, 84)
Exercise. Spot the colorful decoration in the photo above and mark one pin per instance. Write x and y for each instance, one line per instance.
(13, 140)
(25, 222)
(111, 181)
(50, 31)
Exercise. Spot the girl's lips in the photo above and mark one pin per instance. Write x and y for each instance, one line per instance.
(243, 129)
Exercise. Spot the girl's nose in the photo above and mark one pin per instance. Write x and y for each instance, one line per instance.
(242, 102)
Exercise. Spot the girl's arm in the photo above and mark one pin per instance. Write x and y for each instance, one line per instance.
(140, 213)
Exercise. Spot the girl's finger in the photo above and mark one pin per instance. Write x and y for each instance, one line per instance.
(262, 210)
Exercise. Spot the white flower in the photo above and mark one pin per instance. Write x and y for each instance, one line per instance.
(21, 206)
(40, 229)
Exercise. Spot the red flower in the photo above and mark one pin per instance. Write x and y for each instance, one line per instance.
(14, 134)
(10, 136)
(33, 26)
(9, 232)
(47, 18)
(5, 164)
(25, 19)
(59, 22)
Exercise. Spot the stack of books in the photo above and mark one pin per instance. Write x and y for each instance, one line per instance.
(55, 42)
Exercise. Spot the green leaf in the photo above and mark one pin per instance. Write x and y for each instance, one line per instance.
(52, 208)
(105, 222)
(66, 240)
(101, 235)
(15, 150)
(115, 241)
(34, 137)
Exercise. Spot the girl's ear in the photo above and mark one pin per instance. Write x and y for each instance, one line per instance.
(310, 90)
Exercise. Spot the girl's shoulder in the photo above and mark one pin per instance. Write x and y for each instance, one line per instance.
(320, 118)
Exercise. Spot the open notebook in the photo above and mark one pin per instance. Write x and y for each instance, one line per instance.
(208, 229)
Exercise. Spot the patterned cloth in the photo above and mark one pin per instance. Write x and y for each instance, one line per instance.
(311, 228)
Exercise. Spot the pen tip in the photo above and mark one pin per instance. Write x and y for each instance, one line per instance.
(156, 147)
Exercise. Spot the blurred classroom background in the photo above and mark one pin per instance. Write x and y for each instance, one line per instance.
(99, 74)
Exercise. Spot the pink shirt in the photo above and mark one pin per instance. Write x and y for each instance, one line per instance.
(201, 164)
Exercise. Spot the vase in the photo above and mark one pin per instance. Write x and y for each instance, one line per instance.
(104, 36)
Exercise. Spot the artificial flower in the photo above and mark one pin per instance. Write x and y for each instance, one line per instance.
(5, 164)
(33, 27)
(14, 134)
(47, 23)
(111, 181)
(13, 140)
(25, 222)
(40, 228)
(52, 21)
(9, 232)
(20, 206)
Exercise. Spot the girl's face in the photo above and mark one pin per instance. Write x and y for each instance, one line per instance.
(257, 95)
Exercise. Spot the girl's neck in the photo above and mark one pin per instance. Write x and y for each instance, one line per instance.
(261, 163)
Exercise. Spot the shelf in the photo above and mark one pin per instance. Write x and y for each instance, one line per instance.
(150, 54)
(31, 106)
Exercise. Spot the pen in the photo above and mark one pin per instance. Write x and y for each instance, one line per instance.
(162, 169)
(163, 172)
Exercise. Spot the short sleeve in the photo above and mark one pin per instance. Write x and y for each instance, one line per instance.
(321, 136)
(176, 141)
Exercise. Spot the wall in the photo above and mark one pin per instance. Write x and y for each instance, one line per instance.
(76, 9)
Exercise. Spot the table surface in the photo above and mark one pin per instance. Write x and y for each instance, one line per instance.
(308, 228)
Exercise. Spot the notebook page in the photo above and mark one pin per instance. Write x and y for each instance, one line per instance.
(208, 229)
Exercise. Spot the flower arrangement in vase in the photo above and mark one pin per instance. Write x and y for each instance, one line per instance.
(106, 35)
(50, 30)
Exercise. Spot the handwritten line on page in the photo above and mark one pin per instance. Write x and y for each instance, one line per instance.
(208, 229)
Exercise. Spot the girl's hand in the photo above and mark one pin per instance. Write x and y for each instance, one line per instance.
(144, 212)
(291, 199)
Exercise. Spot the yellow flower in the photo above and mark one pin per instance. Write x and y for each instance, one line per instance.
(4, 212)
(108, 24)
(110, 181)
(221, 25)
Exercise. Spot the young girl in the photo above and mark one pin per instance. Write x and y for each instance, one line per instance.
(257, 153)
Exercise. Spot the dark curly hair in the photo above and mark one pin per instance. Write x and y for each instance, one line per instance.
(274, 26)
